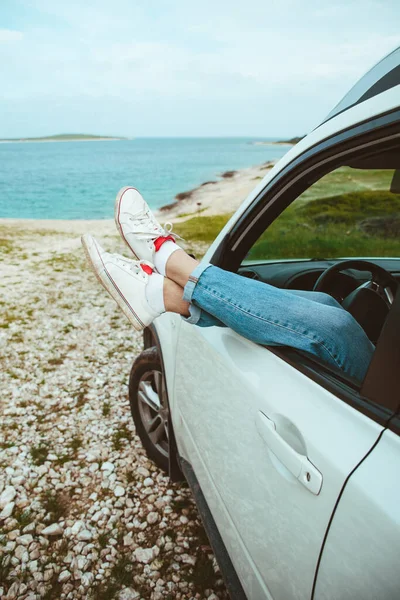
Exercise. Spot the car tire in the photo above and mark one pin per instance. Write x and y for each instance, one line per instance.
(149, 406)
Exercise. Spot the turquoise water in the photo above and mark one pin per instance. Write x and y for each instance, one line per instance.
(79, 180)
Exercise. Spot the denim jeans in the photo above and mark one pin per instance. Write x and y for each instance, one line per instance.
(312, 322)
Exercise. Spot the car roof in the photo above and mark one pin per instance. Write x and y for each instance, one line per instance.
(383, 76)
(376, 93)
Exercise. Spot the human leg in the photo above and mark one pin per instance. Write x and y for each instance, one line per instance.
(258, 311)
(271, 316)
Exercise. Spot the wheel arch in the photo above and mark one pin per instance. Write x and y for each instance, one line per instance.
(151, 338)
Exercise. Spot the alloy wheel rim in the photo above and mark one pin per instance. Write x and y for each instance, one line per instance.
(153, 409)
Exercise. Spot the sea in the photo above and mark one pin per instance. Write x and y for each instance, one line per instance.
(79, 180)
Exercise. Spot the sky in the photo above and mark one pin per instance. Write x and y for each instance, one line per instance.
(184, 68)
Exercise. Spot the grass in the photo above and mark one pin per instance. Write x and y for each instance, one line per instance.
(6, 245)
(39, 453)
(331, 227)
(8, 317)
(201, 229)
(122, 574)
(106, 409)
(72, 450)
(5, 567)
(81, 397)
(103, 539)
(62, 262)
(347, 213)
(56, 504)
(24, 517)
(123, 434)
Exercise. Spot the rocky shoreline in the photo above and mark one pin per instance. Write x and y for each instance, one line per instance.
(218, 197)
(83, 513)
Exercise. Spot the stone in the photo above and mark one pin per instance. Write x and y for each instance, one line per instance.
(128, 539)
(87, 579)
(21, 553)
(188, 560)
(30, 528)
(107, 466)
(128, 594)
(152, 518)
(25, 540)
(7, 510)
(148, 482)
(85, 535)
(13, 534)
(48, 574)
(64, 576)
(119, 491)
(33, 566)
(13, 591)
(7, 496)
(143, 471)
(146, 555)
(53, 529)
(77, 526)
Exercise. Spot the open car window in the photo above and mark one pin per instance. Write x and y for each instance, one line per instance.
(353, 211)
(349, 212)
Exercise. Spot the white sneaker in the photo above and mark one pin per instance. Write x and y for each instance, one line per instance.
(125, 280)
(137, 224)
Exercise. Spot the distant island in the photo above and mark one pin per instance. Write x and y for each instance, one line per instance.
(290, 142)
(65, 137)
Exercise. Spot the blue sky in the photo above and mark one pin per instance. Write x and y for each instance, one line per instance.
(180, 68)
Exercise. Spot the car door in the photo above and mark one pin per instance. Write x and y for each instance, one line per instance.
(360, 557)
(272, 447)
(362, 550)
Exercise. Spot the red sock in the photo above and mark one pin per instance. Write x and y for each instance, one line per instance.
(161, 240)
(147, 269)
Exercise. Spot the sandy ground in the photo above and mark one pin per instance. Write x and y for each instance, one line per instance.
(217, 197)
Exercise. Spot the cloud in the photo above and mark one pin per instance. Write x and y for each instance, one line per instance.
(9, 35)
(261, 62)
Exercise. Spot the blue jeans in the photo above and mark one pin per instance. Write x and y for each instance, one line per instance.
(312, 322)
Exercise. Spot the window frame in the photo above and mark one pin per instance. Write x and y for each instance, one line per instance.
(278, 194)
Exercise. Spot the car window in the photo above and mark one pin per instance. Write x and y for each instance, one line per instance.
(350, 212)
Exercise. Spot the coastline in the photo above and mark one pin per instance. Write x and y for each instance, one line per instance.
(49, 141)
(218, 197)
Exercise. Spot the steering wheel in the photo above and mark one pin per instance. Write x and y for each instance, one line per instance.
(371, 301)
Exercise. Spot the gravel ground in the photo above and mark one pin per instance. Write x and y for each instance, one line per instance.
(83, 513)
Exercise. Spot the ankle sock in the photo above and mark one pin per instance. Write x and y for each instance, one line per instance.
(155, 292)
(162, 255)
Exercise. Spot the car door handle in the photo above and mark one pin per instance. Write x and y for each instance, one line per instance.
(298, 464)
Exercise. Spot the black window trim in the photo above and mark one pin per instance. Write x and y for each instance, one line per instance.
(377, 132)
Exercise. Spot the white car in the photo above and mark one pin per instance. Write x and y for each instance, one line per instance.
(294, 467)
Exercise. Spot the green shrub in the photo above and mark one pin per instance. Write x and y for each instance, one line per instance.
(352, 207)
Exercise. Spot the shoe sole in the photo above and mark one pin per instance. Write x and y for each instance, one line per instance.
(117, 213)
(96, 263)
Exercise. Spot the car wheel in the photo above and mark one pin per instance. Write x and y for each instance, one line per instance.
(149, 406)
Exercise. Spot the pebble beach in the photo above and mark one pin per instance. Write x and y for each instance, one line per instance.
(83, 513)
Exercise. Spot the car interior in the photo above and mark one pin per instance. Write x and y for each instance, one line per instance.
(340, 236)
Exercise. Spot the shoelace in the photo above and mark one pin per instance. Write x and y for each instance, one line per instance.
(142, 219)
(168, 230)
(135, 267)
